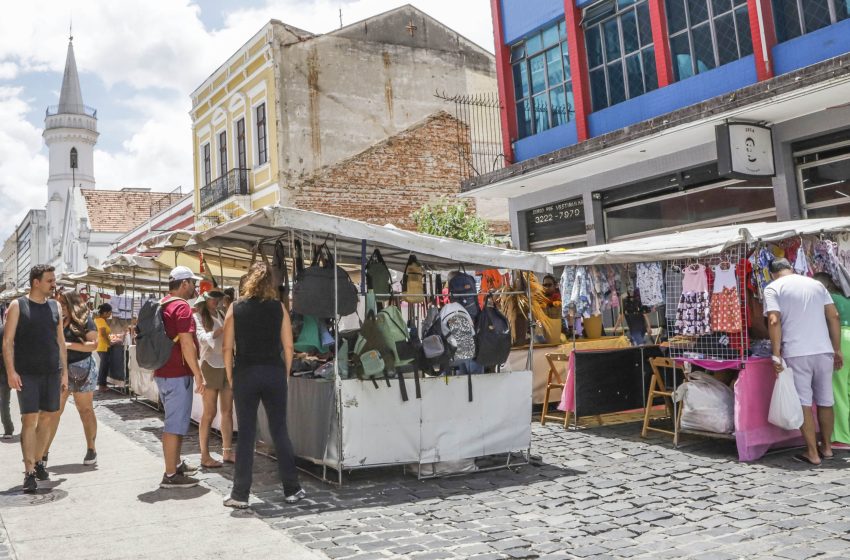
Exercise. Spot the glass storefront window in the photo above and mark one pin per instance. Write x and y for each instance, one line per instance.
(823, 178)
(722, 203)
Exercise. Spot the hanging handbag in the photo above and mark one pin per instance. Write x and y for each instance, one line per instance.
(314, 288)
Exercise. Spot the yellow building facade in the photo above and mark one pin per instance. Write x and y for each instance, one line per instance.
(235, 127)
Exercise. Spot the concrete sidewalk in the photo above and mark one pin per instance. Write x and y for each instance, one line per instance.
(117, 510)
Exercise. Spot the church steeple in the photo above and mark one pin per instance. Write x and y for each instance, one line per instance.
(71, 97)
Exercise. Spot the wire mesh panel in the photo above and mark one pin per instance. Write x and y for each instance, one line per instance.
(705, 311)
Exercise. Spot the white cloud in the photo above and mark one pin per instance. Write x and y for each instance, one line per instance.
(23, 167)
(144, 46)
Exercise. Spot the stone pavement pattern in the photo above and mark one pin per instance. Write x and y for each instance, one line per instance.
(600, 493)
(117, 510)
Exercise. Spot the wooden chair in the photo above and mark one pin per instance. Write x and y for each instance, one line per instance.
(657, 388)
(555, 381)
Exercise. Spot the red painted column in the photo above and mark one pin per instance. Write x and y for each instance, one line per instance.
(578, 69)
(505, 80)
(763, 31)
(661, 41)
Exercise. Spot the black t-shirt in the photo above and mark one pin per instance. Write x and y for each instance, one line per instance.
(75, 356)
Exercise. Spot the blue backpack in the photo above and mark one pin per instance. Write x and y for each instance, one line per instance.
(462, 290)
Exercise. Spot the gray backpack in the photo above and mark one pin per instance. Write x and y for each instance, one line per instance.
(153, 345)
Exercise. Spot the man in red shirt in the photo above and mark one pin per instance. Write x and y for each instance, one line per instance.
(174, 379)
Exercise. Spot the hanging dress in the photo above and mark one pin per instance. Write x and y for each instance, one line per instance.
(692, 317)
(725, 303)
(650, 283)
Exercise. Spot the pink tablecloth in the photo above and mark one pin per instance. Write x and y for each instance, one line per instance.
(754, 435)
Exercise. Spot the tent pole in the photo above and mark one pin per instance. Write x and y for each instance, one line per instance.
(337, 380)
(529, 364)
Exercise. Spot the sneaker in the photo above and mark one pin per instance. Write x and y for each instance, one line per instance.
(90, 458)
(178, 481)
(186, 468)
(295, 497)
(236, 504)
(7, 436)
(30, 483)
(41, 471)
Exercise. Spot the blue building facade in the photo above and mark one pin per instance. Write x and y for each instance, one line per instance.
(615, 103)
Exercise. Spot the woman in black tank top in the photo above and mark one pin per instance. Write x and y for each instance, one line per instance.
(258, 350)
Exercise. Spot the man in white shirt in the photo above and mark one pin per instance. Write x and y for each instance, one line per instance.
(805, 331)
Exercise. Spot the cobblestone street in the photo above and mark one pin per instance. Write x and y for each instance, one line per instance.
(599, 493)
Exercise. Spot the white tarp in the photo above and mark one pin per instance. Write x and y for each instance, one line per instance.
(238, 237)
(693, 243)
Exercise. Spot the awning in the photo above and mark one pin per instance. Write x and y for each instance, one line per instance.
(239, 237)
(693, 243)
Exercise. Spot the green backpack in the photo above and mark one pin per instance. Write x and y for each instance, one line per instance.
(309, 339)
(395, 334)
(378, 278)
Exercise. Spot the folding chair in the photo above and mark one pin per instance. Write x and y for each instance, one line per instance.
(657, 388)
(558, 383)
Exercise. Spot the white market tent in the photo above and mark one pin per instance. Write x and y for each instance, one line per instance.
(694, 243)
(441, 426)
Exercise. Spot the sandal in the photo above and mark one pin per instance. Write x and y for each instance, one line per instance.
(214, 465)
(827, 457)
(803, 459)
(225, 451)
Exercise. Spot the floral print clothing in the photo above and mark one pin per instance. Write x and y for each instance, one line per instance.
(726, 311)
(693, 312)
(650, 283)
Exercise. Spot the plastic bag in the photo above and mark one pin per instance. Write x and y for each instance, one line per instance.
(708, 404)
(785, 409)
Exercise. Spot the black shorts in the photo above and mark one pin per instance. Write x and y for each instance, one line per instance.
(40, 393)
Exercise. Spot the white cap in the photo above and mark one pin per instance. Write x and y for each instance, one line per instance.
(183, 273)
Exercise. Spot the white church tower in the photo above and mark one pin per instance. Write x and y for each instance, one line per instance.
(70, 132)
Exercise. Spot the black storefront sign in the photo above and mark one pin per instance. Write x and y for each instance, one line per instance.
(555, 221)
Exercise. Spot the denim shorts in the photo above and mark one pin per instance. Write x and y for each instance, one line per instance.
(90, 383)
(175, 394)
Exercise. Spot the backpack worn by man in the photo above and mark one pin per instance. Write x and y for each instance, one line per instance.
(462, 290)
(378, 277)
(153, 345)
(493, 336)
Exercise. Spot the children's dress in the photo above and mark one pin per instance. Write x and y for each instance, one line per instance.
(725, 303)
(693, 313)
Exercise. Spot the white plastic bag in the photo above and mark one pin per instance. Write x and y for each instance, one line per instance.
(785, 409)
(708, 404)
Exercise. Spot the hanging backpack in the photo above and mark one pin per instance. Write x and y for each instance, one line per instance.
(314, 288)
(281, 272)
(459, 331)
(435, 355)
(413, 281)
(153, 345)
(396, 335)
(492, 336)
(372, 356)
(462, 290)
(309, 338)
(378, 277)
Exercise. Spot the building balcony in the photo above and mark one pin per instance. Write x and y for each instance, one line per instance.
(234, 183)
(71, 109)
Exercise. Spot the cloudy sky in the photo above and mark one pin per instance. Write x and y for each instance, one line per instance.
(139, 60)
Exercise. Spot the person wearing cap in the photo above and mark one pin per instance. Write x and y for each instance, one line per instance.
(805, 335)
(209, 323)
(174, 379)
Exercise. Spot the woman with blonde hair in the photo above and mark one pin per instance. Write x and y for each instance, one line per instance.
(81, 342)
(257, 329)
(209, 325)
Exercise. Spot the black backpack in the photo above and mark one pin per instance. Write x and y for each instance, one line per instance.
(153, 345)
(493, 336)
(435, 353)
(462, 290)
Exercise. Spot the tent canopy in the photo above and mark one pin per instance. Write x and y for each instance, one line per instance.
(237, 240)
(693, 243)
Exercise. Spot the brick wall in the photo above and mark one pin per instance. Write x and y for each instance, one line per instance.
(389, 181)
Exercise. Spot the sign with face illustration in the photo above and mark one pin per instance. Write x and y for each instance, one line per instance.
(744, 150)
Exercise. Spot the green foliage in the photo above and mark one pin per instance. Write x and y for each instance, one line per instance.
(452, 219)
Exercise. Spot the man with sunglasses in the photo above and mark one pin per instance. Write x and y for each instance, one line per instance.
(174, 379)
